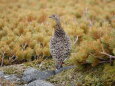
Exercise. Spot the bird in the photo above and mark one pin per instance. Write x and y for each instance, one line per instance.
(60, 43)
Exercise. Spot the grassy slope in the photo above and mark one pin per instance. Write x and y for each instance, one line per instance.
(103, 75)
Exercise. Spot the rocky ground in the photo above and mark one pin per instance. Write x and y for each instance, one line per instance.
(28, 74)
(30, 77)
(44, 74)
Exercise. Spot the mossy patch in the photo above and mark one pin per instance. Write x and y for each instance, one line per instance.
(34, 63)
(103, 75)
(46, 64)
(6, 83)
(10, 70)
(14, 69)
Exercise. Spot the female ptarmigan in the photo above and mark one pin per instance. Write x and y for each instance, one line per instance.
(59, 44)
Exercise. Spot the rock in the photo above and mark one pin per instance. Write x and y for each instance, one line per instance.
(32, 74)
(12, 77)
(1, 74)
(63, 69)
(42, 75)
(29, 74)
(40, 83)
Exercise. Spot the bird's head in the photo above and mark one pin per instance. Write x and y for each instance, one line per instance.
(56, 18)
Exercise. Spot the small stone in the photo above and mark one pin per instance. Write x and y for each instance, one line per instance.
(11, 77)
(40, 83)
(1, 74)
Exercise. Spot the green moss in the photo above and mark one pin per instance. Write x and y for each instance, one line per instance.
(41, 64)
(6, 83)
(109, 73)
(13, 69)
(103, 75)
(32, 64)
(10, 70)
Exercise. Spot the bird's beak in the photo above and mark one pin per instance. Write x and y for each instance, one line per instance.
(50, 16)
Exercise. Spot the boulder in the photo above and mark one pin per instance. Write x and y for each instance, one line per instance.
(32, 74)
(29, 74)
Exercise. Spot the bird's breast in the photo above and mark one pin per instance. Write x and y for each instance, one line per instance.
(61, 45)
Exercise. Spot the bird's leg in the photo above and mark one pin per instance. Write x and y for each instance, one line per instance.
(59, 64)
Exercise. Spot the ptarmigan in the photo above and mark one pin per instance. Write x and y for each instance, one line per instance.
(59, 44)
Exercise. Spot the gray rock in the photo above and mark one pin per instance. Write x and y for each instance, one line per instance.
(63, 69)
(32, 74)
(40, 83)
(42, 75)
(29, 74)
(12, 77)
(1, 74)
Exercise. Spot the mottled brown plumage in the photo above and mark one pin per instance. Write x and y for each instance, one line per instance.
(59, 44)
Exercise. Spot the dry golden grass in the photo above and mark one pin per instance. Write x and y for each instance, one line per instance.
(25, 28)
